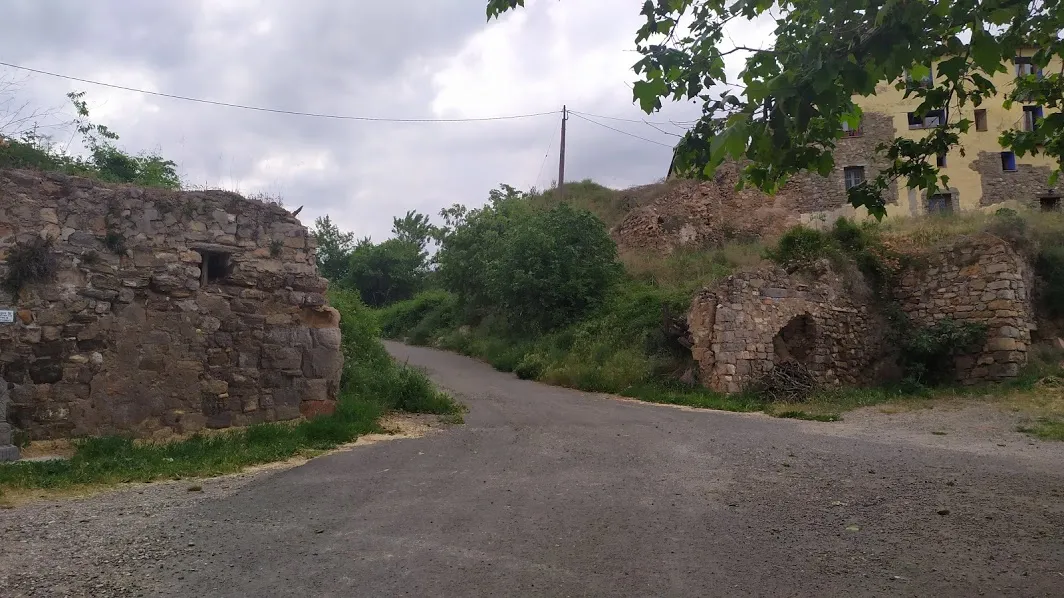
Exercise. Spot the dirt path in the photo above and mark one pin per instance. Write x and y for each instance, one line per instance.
(551, 492)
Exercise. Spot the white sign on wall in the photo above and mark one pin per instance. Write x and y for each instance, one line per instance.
(7, 316)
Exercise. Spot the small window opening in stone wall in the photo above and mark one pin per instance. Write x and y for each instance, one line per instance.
(215, 267)
(796, 340)
(940, 203)
(853, 176)
(980, 119)
(1049, 203)
(1008, 161)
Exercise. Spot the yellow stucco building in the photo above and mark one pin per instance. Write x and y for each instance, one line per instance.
(984, 176)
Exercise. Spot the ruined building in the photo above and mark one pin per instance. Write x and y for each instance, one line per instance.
(748, 323)
(154, 312)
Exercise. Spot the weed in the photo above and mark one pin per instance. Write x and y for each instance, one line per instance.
(275, 247)
(816, 417)
(116, 242)
(28, 262)
(1045, 428)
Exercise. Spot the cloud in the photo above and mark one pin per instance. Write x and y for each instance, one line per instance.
(408, 58)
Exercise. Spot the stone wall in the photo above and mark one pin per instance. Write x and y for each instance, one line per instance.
(977, 280)
(8, 452)
(169, 312)
(1025, 185)
(740, 329)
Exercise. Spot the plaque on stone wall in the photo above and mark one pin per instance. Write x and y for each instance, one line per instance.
(7, 316)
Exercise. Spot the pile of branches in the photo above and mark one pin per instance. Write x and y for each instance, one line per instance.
(789, 381)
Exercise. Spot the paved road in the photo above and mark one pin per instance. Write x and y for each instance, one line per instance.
(550, 492)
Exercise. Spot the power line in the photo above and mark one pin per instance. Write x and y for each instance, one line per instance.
(580, 116)
(677, 123)
(277, 110)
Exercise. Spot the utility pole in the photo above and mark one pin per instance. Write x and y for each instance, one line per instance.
(561, 154)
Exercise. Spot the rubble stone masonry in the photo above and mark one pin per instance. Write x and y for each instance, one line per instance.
(169, 311)
(977, 280)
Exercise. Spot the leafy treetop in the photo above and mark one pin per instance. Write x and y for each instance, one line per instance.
(784, 112)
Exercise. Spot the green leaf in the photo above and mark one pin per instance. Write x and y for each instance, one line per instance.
(986, 51)
(649, 93)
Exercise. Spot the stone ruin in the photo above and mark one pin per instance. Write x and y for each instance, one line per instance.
(748, 323)
(8, 452)
(167, 312)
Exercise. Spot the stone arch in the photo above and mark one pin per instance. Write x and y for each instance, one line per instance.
(797, 340)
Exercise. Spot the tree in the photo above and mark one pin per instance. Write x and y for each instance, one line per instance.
(784, 112)
(414, 228)
(334, 248)
(552, 268)
(387, 272)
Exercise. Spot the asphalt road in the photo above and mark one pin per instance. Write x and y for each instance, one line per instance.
(551, 492)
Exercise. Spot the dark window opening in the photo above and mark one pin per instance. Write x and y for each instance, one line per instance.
(933, 118)
(1050, 203)
(796, 341)
(980, 119)
(940, 203)
(1025, 66)
(853, 176)
(1031, 116)
(1008, 161)
(215, 266)
(940, 160)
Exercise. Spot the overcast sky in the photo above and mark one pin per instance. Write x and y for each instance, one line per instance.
(395, 59)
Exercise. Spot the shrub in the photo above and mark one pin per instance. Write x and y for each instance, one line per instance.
(1049, 266)
(420, 319)
(800, 247)
(383, 273)
(30, 261)
(553, 268)
(927, 353)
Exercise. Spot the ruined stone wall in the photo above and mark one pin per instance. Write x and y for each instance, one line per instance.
(8, 452)
(736, 327)
(131, 336)
(978, 280)
(1025, 185)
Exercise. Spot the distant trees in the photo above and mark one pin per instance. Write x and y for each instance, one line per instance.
(537, 269)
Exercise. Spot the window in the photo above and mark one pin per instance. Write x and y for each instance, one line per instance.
(1025, 66)
(850, 132)
(853, 176)
(933, 118)
(1031, 115)
(940, 203)
(1008, 161)
(940, 160)
(1050, 203)
(215, 266)
(980, 119)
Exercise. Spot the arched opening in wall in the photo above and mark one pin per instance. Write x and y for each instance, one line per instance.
(795, 341)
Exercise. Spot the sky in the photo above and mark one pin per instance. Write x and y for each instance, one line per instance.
(421, 59)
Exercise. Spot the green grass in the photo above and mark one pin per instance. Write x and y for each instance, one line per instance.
(1046, 428)
(372, 385)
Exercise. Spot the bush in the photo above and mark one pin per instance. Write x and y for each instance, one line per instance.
(1049, 266)
(30, 261)
(553, 268)
(928, 353)
(800, 247)
(387, 272)
(421, 319)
